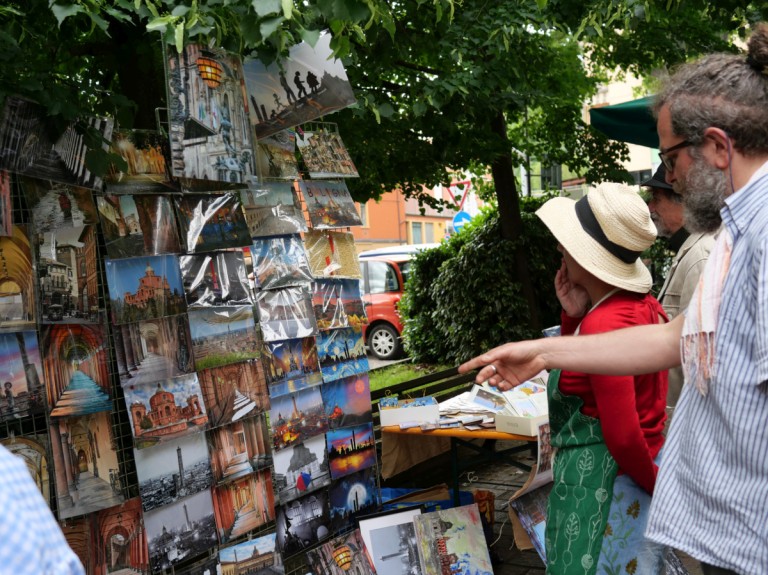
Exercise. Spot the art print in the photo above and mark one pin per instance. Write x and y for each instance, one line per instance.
(17, 300)
(301, 469)
(118, 538)
(291, 365)
(76, 369)
(342, 555)
(338, 303)
(390, 540)
(153, 350)
(180, 531)
(207, 566)
(276, 156)
(172, 471)
(273, 209)
(325, 155)
(347, 401)
(33, 450)
(455, 536)
(258, 556)
(146, 170)
(311, 83)
(22, 391)
(6, 213)
(29, 146)
(239, 449)
(243, 505)
(77, 533)
(286, 313)
(212, 222)
(234, 392)
(332, 254)
(280, 262)
(223, 335)
(350, 449)
(302, 523)
(163, 412)
(138, 225)
(55, 205)
(86, 464)
(145, 288)
(341, 353)
(297, 417)
(216, 279)
(329, 204)
(352, 496)
(210, 138)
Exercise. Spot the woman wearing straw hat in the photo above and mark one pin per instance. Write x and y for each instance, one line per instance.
(607, 429)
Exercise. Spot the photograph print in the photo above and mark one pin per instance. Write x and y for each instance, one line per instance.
(325, 155)
(279, 262)
(216, 279)
(173, 470)
(20, 375)
(212, 222)
(257, 556)
(350, 449)
(145, 171)
(234, 392)
(276, 156)
(223, 335)
(390, 539)
(341, 555)
(17, 300)
(145, 288)
(210, 138)
(332, 254)
(329, 204)
(6, 213)
(297, 417)
(286, 313)
(33, 449)
(30, 146)
(302, 523)
(138, 225)
(243, 505)
(77, 533)
(309, 84)
(239, 449)
(180, 531)
(165, 411)
(206, 566)
(291, 365)
(55, 205)
(351, 497)
(341, 353)
(347, 401)
(273, 209)
(118, 540)
(338, 303)
(301, 469)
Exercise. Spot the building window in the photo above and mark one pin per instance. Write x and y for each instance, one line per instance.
(429, 229)
(416, 233)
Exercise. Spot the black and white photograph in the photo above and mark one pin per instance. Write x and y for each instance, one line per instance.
(302, 523)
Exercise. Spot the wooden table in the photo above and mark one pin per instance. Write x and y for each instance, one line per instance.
(485, 452)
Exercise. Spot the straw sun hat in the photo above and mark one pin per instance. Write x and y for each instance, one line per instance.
(605, 232)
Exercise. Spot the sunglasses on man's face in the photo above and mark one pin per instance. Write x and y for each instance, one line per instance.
(670, 161)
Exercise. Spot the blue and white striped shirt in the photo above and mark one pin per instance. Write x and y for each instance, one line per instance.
(711, 496)
(31, 542)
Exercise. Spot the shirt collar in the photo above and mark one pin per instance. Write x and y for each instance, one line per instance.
(741, 206)
(676, 240)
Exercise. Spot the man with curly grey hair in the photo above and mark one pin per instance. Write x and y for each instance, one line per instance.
(711, 495)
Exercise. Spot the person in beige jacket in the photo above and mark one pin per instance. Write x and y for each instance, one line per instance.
(691, 253)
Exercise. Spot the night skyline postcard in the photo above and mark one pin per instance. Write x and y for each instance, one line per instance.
(216, 278)
(352, 496)
(21, 374)
(301, 469)
(332, 254)
(286, 313)
(280, 262)
(338, 303)
(303, 522)
(341, 353)
(276, 156)
(273, 209)
(347, 401)
(212, 222)
(325, 155)
(291, 365)
(262, 551)
(244, 504)
(297, 417)
(145, 170)
(145, 288)
(234, 392)
(55, 205)
(329, 204)
(223, 335)
(350, 449)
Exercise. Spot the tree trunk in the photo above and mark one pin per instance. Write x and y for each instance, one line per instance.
(509, 216)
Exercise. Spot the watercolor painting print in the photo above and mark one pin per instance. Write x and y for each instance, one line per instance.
(243, 505)
(234, 392)
(329, 204)
(146, 170)
(351, 449)
(332, 254)
(138, 225)
(286, 313)
(212, 222)
(341, 353)
(180, 531)
(86, 464)
(216, 279)
(276, 156)
(165, 411)
(352, 496)
(239, 449)
(273, 209)
(173, 470)
(291, 365)
(302, 523)
(258, 556)
(301, 469)
(118, 538)
(297, 417)
(33, 450)
(280, 262)
(55, 205)
(223, 335)
(338, 303)
(342, 555)
(145, 288)
(347, 401)
(22, 391)
(76, 369)
(17, 300)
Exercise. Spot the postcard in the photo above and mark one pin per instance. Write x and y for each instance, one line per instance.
(273, 209)
(297, 417)
(280, 262)
(17, 302)
(329, 204)
(286, 313)
(216, 279)
(393, 545)
(351, 449)
(146, 169)
(341, 555)
(239, 449)
(301, 468)
(324, 154)
(352, 496)
(6, 213)
(234, 392)
(55, 205)
(256, 556)
(21, 376)
(212, 222)
(223, 335)
(120, 530)
(338, 303)
(243, 505)
(77, 532)
(332, 254)
(347, 401)
(291, 365)
(302, 523)
(207, 566)
(341, 353)
(276, 156)
(33, 449)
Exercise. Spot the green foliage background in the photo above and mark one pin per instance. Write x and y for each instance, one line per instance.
(463, 297)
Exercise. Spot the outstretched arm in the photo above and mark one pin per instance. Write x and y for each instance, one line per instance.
(630, 351)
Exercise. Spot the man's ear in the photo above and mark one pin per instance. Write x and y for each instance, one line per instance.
(720, 147)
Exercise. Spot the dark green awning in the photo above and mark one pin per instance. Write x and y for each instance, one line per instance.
(630, 122)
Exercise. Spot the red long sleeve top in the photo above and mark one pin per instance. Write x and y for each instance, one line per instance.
(631, 409)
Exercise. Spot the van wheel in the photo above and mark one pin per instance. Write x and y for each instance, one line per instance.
(384, 342)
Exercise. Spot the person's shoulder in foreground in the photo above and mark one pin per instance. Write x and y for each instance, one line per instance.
(31, 541)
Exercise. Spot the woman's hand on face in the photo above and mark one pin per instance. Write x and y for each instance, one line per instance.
(573, 297)
(508, 365)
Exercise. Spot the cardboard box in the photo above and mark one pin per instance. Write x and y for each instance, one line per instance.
(395, 415)
(520, 425)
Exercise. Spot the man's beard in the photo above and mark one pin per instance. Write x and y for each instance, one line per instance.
(662, 230)
(703, 190)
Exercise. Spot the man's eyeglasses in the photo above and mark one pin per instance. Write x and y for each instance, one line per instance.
(669, 162)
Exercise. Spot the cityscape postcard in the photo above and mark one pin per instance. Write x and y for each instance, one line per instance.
(223, 335)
